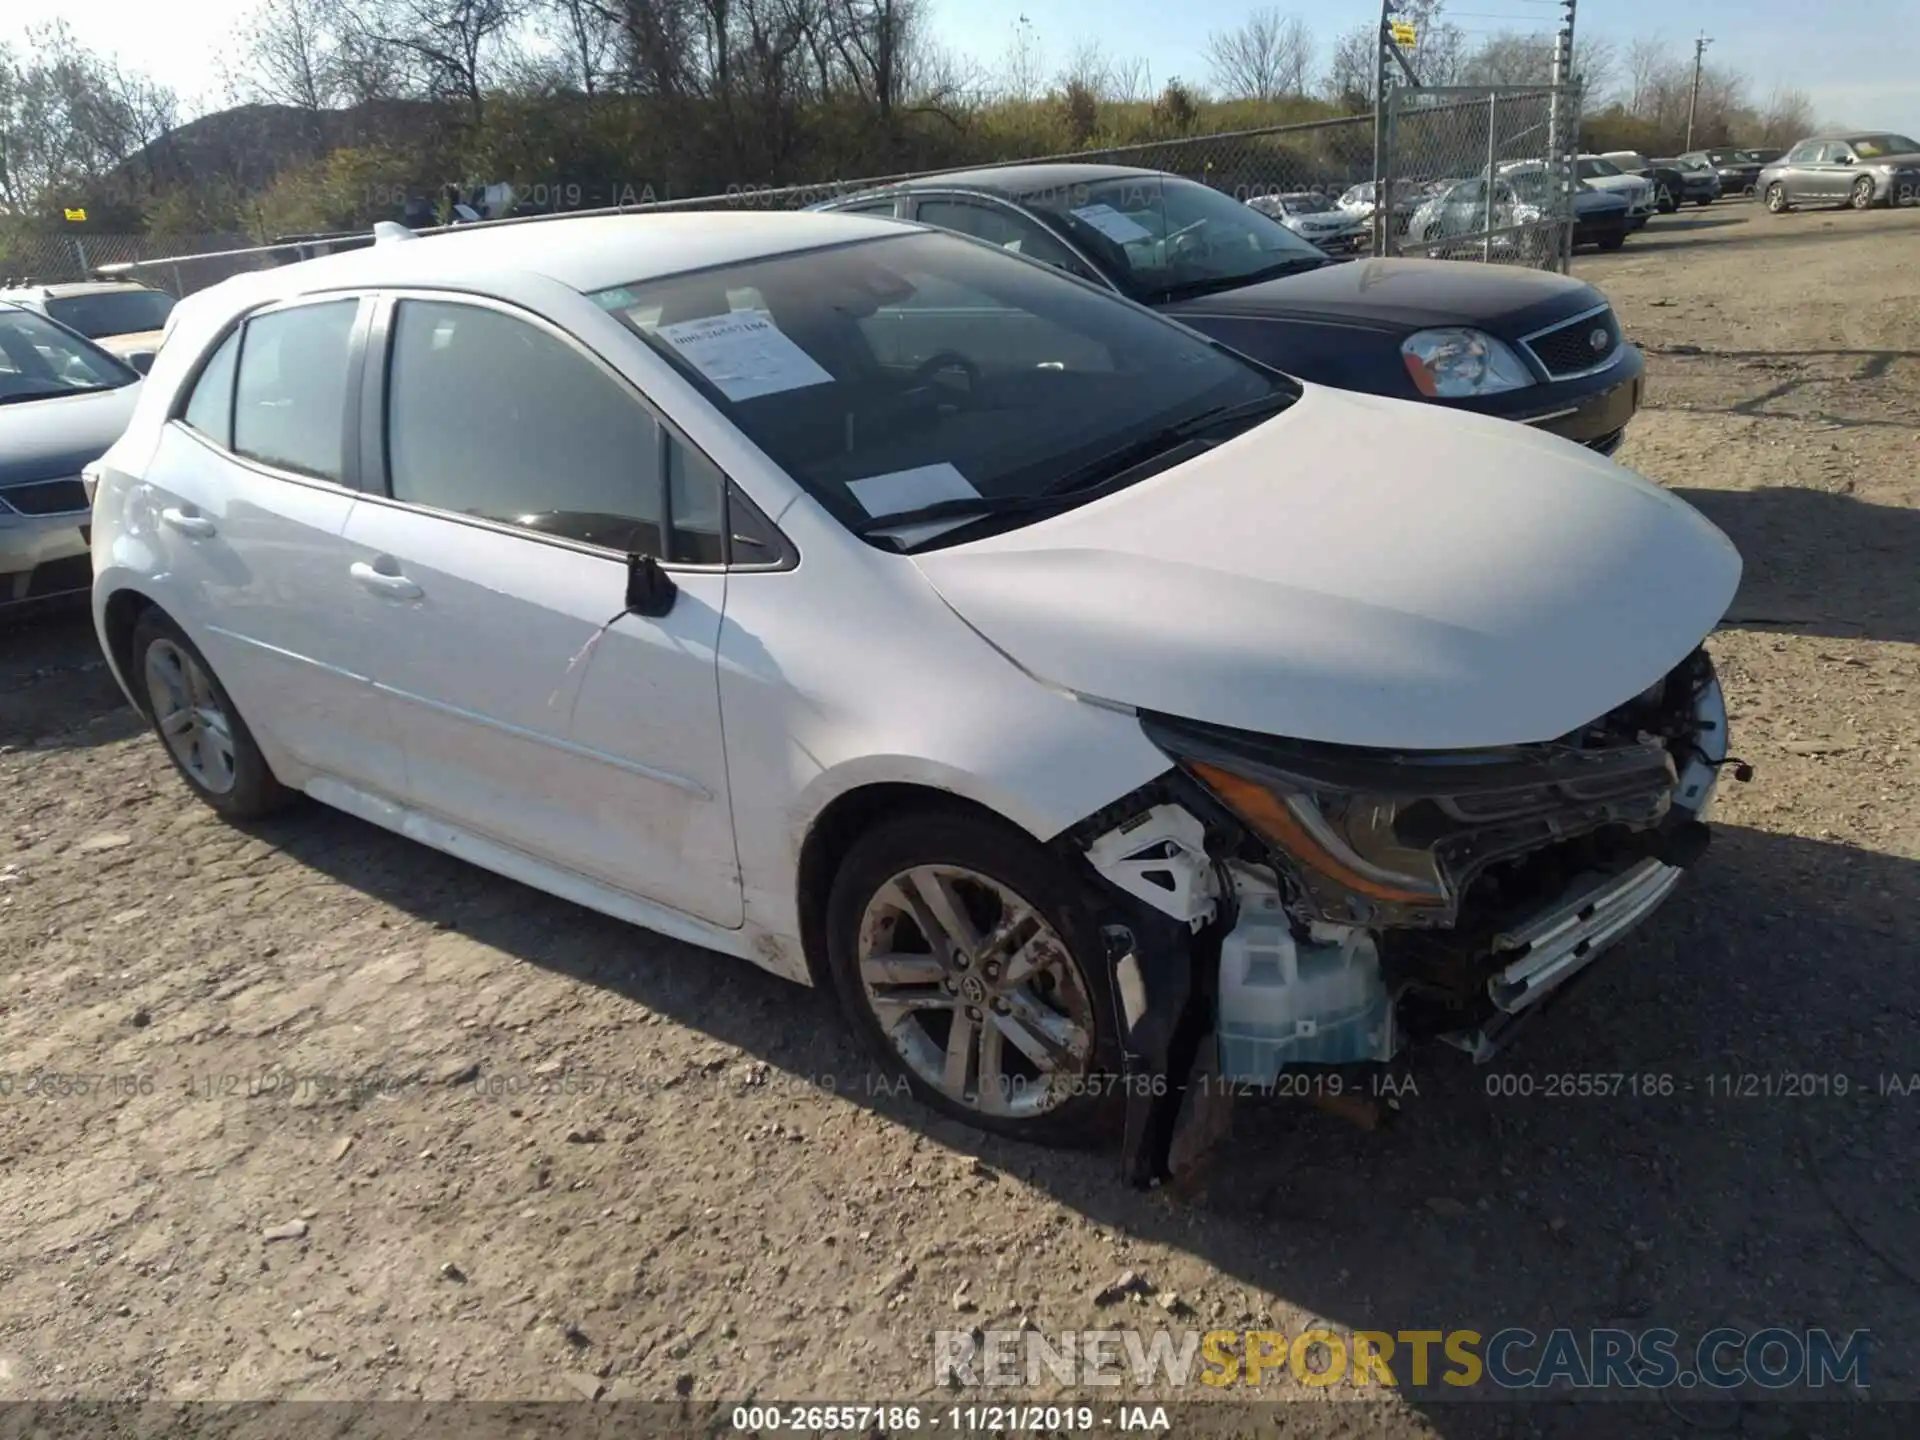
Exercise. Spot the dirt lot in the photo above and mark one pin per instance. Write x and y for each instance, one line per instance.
(581, 1158)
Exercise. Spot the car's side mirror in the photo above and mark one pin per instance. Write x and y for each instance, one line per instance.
(141, 360)
(1843, 159)
(650, 590)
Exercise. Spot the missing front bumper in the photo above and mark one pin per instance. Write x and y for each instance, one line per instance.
(1557, 945)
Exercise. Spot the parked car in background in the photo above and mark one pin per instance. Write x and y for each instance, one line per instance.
(1863, 170)
(1600, 217)
(1671, 184)
(1738, 170)
(63, 401)
(1529, 346)
(119, 316)
(1692, 182)
(1601, 175)
(1316, 219)
(1357, 201)
(1420, 718)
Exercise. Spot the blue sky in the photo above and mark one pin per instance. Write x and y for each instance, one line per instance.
(1855, 60)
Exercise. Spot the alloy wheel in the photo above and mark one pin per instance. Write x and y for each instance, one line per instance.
(1776, 197)
(1863, 193)
(190, 717)
(976, 991)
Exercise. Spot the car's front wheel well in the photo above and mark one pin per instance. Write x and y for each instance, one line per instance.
(834, 832)
(124, 609)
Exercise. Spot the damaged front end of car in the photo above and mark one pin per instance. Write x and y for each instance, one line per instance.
(1279, 906)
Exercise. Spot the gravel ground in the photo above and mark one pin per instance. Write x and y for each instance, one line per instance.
(369, 1123)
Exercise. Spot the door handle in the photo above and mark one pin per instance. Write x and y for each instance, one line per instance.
(197, 526)
(381, 583)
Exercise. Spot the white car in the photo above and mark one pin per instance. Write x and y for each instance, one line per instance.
(1602, 174)
(1315, 219)
(901, 615)
(122, 318)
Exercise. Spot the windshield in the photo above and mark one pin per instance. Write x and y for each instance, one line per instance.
(1589, 169)
(1160, 236)
(1867, 147)
(112, 312)
(897, 373)
(38, 359)
(1306, 204)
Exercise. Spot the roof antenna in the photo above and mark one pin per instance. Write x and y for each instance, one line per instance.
(386, 230)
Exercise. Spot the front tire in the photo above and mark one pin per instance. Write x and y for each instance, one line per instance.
(1777, 201)
(965, 957)
(191, 712)
(1861, 196)
(1612, 240)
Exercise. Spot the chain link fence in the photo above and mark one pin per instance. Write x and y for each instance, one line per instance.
(1290, 171)
(38, 258)
(1480, 172)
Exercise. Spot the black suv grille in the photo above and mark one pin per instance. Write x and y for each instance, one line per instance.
(46, 497)
(1568, 349)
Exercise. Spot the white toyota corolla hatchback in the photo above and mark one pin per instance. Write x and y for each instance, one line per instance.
(1104, 716)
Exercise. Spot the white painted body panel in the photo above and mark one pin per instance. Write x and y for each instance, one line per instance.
(1457, 581)
(606, 760)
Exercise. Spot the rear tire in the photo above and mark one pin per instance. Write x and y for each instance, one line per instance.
(1703, 200)
(945, 1021)
(191, 712)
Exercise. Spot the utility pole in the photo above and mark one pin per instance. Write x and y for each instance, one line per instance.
(1560, 143)
(1693, 101)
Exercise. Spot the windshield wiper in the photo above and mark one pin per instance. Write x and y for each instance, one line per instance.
(54, 394)
(1111, 471)
(1212, 285)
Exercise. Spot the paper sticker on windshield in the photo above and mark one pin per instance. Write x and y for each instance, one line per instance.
(744, 353)
(1112, 224)
(904, 490)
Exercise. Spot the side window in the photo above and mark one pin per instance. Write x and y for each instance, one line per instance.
(1001, 227)
(1840, 154)
(1803, 154)
(871, 207)
(290, 400)
(210, 406)
(696, 507)
(491, 416)
(754, 540)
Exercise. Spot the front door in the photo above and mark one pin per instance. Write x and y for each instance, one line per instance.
(532, 708)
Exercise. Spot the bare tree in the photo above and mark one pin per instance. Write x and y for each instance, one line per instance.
(1350, 76)
(1266, 56)
(292, 53)
(1088, 68)
(1023, 66)
(588, 33)
(1787, 117)
(451, 45)
(1133, 79)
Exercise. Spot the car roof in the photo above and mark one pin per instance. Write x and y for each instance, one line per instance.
(61, 290)
(1013, 180)
(584, 252)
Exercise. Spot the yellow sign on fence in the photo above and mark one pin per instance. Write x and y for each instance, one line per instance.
(1402, 33)
(76, 214)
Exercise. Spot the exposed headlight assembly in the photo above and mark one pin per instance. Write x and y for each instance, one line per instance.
(1381, 838)
(1452, 364)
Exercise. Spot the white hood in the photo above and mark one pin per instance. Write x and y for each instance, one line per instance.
(1361, 571)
